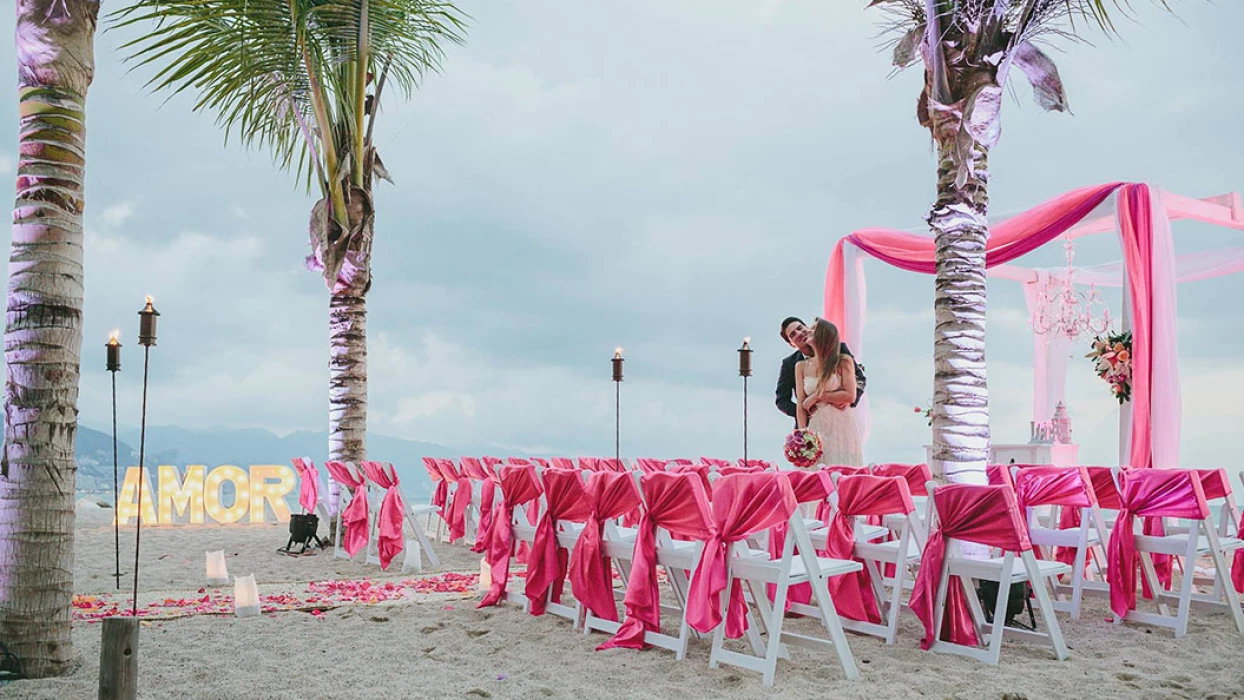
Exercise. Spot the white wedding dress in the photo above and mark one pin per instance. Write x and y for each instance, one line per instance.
(838, 429)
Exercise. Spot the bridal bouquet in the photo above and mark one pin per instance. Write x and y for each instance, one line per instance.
(1112, 358)
(803, 448)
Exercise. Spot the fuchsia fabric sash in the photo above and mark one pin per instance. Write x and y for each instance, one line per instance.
(1153, 493)
(808, 487)
(565, 499)
(563, 463)
(608, 496)
(440, 497)
(591, 464)
(389, 539)
(488, 488)
(743, 504)
(1104, 487)
(917, 476)
(755, 464)
(519, 486)
(1070, 488)
(999, 475)
(354, 517)
(461, 498)
(1215, 485)
(648, 465)
(678, 503)
(985, 515)
(309, 488)
(713, 462)
(700, 470)
(861, 495)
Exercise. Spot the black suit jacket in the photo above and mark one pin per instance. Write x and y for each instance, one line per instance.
(786, 382)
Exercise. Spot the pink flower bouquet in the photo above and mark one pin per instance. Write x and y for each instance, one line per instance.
(803, 448)
(1112, 358)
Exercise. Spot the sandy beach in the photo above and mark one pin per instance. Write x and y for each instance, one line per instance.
(426, 643)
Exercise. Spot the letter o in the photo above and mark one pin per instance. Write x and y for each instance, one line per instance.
(241, 494)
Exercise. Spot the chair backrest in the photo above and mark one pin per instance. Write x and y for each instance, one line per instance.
(590, 464)
(433, 467)
(565, 495)
(759, 464)
(843, 469)
(677, 502)
(612, 494)
(611, 464)
(449, 470)
(987, 515)
(809, 486)
(562, 463)
(713, 462)
(865, 494)
(916, 475)
(999, 475)
(473, 469)
(541, 461)
(1169, 493)
(1214, 483)
(648, 465)
(519, 485)
(701, 470)
(345, 474)
(1105, 487)
(1054, 486)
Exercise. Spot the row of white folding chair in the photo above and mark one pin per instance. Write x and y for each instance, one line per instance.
(413, 550)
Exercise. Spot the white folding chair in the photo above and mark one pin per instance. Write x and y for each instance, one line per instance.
(1003, 570)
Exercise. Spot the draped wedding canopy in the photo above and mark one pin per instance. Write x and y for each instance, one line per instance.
(1149, 272)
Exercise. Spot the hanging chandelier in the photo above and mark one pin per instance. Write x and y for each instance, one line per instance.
(1061, 310)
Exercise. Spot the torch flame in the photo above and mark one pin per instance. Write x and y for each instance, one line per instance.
(149, 300)
(747, 340)
(114, 337)
(617, 352)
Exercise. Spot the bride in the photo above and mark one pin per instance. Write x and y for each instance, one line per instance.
(825, 389)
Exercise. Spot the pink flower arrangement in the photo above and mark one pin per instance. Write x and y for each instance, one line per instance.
(803, 448)
(1112, 358)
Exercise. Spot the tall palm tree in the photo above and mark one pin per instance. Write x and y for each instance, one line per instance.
(304, 79)
(969, 49)
(43, 332)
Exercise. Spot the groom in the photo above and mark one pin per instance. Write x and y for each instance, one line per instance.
(798, 335)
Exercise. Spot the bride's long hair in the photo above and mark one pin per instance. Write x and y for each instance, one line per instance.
(828, 349)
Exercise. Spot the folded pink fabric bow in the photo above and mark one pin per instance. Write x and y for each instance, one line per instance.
(440, 496)
(354, 518)
(985, 515)
(461, 499)
(1149, 493)
(518, 487)
(861, 495)
(743, 504)
(390, 540)
(475, 471)
(679, 504)
(608, 496)
(309, 489)
(565, 500)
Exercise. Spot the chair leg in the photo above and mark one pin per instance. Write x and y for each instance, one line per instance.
(775, 631)
(829, 618)
(1223, 574)
(896, 601)
(1047, 610)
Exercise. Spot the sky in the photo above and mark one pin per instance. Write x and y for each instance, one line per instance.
(667, 176)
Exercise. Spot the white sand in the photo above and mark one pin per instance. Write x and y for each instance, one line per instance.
(442, 647)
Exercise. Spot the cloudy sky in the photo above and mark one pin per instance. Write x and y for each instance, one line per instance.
(664, 175)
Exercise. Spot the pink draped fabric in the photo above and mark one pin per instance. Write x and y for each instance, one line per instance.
(542, 462)
(608, 496)
(861, 495)
(986, 515)
(1024, 233)
(1152, 493)
(309, 488)
(591, 464)
(700, 470)
(390, 540)
(1237, 568)
(1104, 487)
(1216, 485)
(808, 487)
(566, 500)
(1000, 475)
(743, 504)
(488, 488)
(455, 517)
(755, 464)
(679, 504)
(354, 517)
(712, 462)
(917, 476)
(440, 494)
(562, 463)
(648, 465)
(519, 487)
(1069, 488)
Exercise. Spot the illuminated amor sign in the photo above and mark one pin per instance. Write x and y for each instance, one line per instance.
(191, 496)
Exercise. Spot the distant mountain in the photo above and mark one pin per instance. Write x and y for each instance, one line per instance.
(244, 447)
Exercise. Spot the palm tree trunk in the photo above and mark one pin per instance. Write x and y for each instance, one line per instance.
(347, 370)
(43, 333)
(960, 226)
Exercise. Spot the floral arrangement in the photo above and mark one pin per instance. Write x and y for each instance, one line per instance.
(1112, 358)
(928, 413)
(803, 448)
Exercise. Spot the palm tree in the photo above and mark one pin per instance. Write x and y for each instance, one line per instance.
(969, 48)
(43, 333)
(304, 79)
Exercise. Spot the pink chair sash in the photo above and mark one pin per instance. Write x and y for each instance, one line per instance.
(440, 496)
(700, 470)
(808, 487)
(354, 518)
(542, 462)
(1237, 568)
(678, 503)
(861, 495)
(390, 541)
(461, 498)
(648, 465)
(1070, 488)
(743, 504)
(488, 488)
(1215, 485)
(999, 475)
(565, 499)
(562, 463)
(985, 515)
(518, 487)
(309, 488)
(719, 463)
(608, 496)
(917, 476)
(590, 464)
(1152, 493)
(755, 464)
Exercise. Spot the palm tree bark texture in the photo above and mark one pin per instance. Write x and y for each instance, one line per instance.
(43, 333)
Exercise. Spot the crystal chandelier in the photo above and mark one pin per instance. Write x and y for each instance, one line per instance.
(1061, 310)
